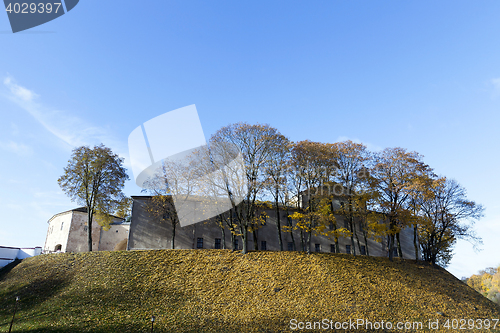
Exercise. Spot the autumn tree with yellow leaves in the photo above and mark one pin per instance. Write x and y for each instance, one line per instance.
(95, 177)
(487, 282)
(394, 175)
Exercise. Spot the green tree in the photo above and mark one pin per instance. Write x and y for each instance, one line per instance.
(95, 177)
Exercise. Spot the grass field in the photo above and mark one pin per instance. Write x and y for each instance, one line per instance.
(224, 291)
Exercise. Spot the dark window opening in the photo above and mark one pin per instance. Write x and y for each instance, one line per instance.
(348, 249)
(217, 243)
(199, 243)
(363, 250)
(236, 244)
(58, 247)
(263, 245)
(317, 247)
(331, 225)
(290, 246)
(332, 248)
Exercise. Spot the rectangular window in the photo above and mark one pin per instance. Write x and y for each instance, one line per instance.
(62, 224)
(263, 245)
(363, 250)
(217, 243)
(199, 243)
(236, 244)
(346, 224)
(331, 225)
(332, 248)
(395, 252)
(290, 246)
(317, 247)
(348, 249)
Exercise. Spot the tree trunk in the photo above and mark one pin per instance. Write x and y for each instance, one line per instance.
(89, 229)
(415, 245)
(308, 242)
(337, 248)
(233, 241)
(366, 244)
(255, 240)
(278, 226)
(357, 238)
(353, 247)
(400, 250)
(223, 235)
(302, 240)
(244, 240)
(173, 235)
(390, 244)
(351, 225)
(290, 224)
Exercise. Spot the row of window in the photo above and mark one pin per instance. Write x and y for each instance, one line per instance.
(263, 246)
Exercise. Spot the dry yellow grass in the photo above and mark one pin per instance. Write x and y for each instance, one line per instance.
(220, 290)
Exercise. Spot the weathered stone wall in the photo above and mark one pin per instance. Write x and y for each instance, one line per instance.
(69, 229)
(110, 238)
(77, 239)
(148, 233)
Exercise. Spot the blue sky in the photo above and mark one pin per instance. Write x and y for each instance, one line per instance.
(420, 75)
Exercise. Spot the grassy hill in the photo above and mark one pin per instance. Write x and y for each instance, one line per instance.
(224, 291)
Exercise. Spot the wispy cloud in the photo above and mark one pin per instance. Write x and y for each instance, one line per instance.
(17, 148)
(72, 130)
(368, 145)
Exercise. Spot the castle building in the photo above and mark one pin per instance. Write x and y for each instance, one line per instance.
(147, 232)
(67, 232)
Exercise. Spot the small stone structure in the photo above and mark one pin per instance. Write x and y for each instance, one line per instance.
(67, 232)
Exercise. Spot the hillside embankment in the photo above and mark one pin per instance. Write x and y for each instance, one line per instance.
(225, 291)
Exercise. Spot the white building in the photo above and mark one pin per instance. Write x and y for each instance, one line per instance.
(67, 232)
(9, 254)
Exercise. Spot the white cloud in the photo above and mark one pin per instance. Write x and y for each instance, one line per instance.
(370, 146)
(18, 91)
(72, 130)
(17, 148)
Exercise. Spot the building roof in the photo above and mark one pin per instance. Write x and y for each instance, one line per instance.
(81, 210)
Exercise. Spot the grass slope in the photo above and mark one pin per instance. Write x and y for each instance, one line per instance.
(220, 290)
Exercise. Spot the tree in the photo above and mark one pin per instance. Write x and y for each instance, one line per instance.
(276, 172)
(95, 177)
(487, 282)
(394, 175)
(350, 159)
(254, 142)
(449, 216)
(162, 208)
(310, 162)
